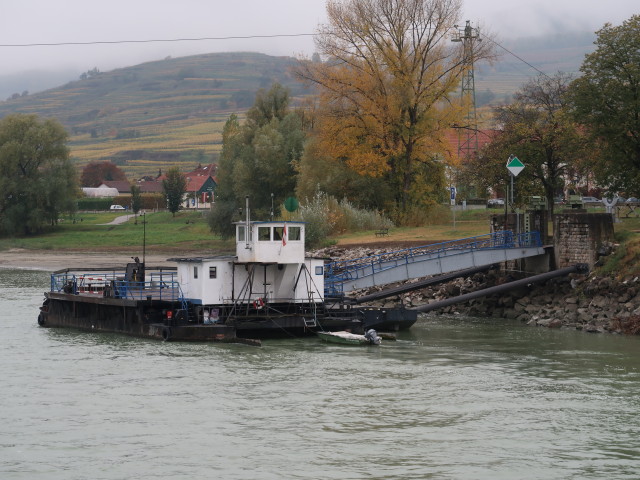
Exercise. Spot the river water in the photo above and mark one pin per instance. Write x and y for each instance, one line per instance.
(453, 398)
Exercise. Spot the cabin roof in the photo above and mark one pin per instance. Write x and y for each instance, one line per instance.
(202, 259)
(276, 222)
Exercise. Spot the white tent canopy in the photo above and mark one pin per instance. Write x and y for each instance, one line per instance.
(102, 191)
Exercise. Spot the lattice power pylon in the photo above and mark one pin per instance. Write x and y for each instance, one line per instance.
(468, 133)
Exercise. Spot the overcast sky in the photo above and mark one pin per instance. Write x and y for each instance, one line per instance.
(49, 21)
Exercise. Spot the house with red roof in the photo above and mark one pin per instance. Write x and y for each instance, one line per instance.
(201, 185)
(457, 138)
(149, 185)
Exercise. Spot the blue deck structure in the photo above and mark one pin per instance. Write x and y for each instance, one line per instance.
(435, 259)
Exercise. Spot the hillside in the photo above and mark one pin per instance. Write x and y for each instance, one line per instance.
(171, 112)
(157, 113)
(552, 53)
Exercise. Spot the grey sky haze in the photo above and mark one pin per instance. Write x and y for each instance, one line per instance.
(47, 21)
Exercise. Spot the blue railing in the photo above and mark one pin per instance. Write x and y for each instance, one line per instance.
(160, 286)
(336, 273)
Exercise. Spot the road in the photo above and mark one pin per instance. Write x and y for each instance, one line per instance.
(119, 220)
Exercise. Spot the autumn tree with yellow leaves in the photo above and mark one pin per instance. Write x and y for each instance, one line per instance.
(386, 90)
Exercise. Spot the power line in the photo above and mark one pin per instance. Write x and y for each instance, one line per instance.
(516, 56)
(157, 40)
(200, 39)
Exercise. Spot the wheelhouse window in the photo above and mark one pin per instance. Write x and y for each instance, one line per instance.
(241, 233)
(213, 272)
(278, 232)
(319, 270)
(264, 234)
(293, 233)
(195, 272)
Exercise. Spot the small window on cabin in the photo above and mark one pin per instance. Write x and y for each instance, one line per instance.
(195, 272)
(277, 233)
(264, 234)
(213, 272)
(319, 270)
(293, 233)
(241, 231)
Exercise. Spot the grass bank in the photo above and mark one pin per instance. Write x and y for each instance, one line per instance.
(189, 232)
(186, 232)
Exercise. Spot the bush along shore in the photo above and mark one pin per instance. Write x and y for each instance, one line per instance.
(590, 303)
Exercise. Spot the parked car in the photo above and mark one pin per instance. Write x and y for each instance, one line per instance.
(632, 200)
(495, 202)
(591, 200)
(116, 207)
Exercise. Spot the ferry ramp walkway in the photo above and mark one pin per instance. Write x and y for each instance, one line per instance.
(436, 259)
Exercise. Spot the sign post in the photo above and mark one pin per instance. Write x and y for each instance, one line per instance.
(515, 166)
(453, 204)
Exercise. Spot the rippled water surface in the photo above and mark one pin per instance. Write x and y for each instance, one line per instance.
(454, 398)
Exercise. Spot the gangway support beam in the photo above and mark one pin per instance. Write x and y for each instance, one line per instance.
(581, 268)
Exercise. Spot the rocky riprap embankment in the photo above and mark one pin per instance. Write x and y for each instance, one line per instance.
(589, 303)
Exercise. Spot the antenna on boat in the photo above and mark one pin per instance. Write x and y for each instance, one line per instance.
(272, 207)
(144, 237)
(247, 221)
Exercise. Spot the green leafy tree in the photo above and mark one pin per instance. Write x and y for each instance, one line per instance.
(258, 159)
(606, 98)
(538, 129)
(37, 180)
(224, 210)
(136, 199)
(174, 187)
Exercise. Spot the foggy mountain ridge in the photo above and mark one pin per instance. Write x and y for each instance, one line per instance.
(574, 44)
(172, 111)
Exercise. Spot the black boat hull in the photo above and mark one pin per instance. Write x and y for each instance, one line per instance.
(166, 320)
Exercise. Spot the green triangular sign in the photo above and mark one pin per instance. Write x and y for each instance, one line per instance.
(515, 166)
(515, 162)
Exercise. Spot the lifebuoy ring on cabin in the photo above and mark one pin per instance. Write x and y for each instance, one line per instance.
(258, 304)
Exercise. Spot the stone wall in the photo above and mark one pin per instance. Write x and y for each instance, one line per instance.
(581, 237)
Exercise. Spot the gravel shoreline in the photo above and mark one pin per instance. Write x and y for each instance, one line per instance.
(50, 261)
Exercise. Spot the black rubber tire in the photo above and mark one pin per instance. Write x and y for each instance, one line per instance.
(166, 333)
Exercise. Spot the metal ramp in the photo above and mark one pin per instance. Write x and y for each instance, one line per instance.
(435, 259)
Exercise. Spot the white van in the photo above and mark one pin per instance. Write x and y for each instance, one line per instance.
(117, 207)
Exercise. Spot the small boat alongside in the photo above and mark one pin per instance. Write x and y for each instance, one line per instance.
(370, 337)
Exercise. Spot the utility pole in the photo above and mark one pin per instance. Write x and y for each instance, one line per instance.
(468, 134)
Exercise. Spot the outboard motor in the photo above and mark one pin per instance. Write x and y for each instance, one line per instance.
(373, 337)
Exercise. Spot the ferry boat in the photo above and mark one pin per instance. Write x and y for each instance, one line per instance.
(269, 288)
